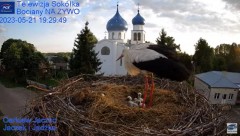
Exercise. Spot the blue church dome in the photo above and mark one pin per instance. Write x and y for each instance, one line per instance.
(138, 20)
(117, 23)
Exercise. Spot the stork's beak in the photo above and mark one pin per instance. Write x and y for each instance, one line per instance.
(119, 57)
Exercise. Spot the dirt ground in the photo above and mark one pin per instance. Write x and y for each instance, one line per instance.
(234, 117)
(13, 100)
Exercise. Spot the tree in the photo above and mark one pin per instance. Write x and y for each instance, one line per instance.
(19, 56)
(227, 57)
(203, 57)
(219, 63)
(234, 58)
(83, 58)
(222, 49)
(186, 60)
(234, 66)
(164, 40)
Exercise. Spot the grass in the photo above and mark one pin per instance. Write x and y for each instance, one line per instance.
(51, 82)
(9, 83)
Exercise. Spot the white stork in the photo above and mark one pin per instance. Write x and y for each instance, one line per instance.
(153, 59)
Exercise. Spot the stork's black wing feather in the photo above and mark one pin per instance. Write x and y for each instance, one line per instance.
(165, 68)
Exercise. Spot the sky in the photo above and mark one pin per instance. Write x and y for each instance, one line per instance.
(216, 21)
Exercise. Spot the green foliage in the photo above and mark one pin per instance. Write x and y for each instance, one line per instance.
(8, 83)
(65, 56)
(234, 66)
(203, 57)
(164, 40)
(186, 60)
(219, 63)
(227, 57)
(59, 59)
(83, 58)
(20, 58)
(50, 82)
(222, 49)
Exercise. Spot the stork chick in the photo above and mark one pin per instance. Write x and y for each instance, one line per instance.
(131, 103)
(140, 97)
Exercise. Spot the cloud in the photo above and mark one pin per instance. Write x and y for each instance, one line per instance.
(195, 15)
(233, 4)
(151, 25)
(170, 5)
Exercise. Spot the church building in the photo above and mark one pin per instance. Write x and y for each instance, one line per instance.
(109, 49)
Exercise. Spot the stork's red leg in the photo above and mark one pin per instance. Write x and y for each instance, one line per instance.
(151, 92)
(145, 90)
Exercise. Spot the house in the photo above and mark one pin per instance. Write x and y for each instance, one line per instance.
(219, 87)
(57, 62)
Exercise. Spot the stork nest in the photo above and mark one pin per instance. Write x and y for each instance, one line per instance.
(96, 105)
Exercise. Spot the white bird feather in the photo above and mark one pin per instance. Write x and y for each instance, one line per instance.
(141, 55)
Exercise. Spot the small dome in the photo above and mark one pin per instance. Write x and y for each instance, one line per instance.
(138, 20)
(117, 23)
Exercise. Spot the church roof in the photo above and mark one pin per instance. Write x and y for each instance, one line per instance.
(117, 23)
(138, 20)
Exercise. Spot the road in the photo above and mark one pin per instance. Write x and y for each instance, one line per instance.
(13, 100)
(234, 116)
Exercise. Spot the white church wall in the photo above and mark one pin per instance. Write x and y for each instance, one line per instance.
(108, 66)
(118, 36)
(120, 69)
(137, 41)
(138, 27)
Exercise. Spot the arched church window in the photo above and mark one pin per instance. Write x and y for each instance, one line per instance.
(135, 36)
(112, 35)
(139, 36)
(105, 51)
(119, 35)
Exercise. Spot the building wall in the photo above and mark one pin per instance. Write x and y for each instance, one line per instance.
(120, 68)
(210, 93)
(222, 92)
(202, 87)
(136, 30)
(138, 27)
(142, 39)
(109, 66)
(119, 36)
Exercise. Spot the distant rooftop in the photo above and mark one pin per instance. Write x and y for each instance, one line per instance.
(220, 79)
